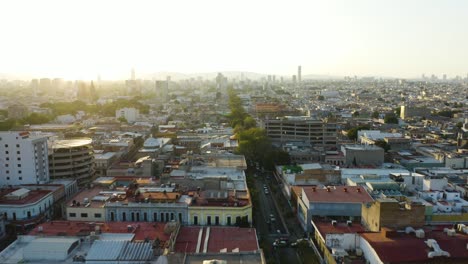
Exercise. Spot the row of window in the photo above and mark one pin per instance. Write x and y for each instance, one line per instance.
(7, 172)
(17, 145)
(19, 165)
(217, 220)
(85, 215)
(7, 158)
(17, 152)
(19, 178)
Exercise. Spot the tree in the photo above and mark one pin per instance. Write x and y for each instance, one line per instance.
(122, 119)
(397, 111)
(355, 114)
(459, 125)
(253, 143)
(352, 133)
(390, 118)
(249, 122)
(383, 144)
(320, 98)
(375, 114)
(36, 119)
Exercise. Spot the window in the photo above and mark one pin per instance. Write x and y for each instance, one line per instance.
(7, 177)
(216, 220)
(112, 217)
(19, 172)
(19, 158)
(124, 217)
(20, 178)
(195, 220)
(19, 165)
(6, 165)
(72, 214)
(17, 145)
(228, 220)
(6, 145)
(7, 158)
(208, 220)
(7, 171)
(97, 215)
(6, 152)
(84, 214)
(18, 152)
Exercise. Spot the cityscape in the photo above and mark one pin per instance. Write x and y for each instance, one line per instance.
(202, 135)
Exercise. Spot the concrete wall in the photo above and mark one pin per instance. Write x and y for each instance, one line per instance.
(378, 214)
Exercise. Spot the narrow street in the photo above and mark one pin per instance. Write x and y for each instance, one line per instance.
(271, 225)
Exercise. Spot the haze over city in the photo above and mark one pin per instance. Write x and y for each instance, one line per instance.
(233, 132)
(81, 39)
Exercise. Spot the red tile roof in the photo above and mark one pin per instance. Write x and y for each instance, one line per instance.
(141, 230)
(338, 194)
(407, 248)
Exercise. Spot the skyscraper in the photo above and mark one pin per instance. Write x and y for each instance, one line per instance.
(299, 75)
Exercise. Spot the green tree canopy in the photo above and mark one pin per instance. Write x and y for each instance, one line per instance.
(390, 118)
(352, 133)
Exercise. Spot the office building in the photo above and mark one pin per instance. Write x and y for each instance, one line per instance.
(23, 158)
(130, 114)
(299, 74)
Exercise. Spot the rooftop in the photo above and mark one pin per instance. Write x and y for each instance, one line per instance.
(326, 227)
(71, 143)
(390, 245)
(29, 197)
(337, 194)
(215, 239)
(140, 230)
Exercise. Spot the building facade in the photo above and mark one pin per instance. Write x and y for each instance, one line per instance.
(72, 159)
(23, 158)
(316, 132)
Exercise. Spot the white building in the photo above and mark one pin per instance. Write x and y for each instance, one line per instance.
(23, 158)
(26, 207)
(130, 114)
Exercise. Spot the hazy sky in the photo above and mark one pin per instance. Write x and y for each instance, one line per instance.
(79, 39)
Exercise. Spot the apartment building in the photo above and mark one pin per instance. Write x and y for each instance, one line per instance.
(23, 158)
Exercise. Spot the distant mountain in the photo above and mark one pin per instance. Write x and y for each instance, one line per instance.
(205, 75)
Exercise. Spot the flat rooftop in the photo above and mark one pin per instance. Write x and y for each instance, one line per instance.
(326, 227)
(32, 196)
(140, 230)
(214, 239)
(338, 194)
(390, 246)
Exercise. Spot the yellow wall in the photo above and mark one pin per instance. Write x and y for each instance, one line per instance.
(202, 212)
(88, 210)
(323, 248)
(449, 218)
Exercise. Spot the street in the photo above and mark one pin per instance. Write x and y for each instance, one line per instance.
(269, 231)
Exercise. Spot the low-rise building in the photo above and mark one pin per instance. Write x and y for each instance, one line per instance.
(338, 202)
(363, 155)
(389, 212)
(25, 208)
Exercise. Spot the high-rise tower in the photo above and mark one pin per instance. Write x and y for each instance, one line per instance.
(299, 75)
